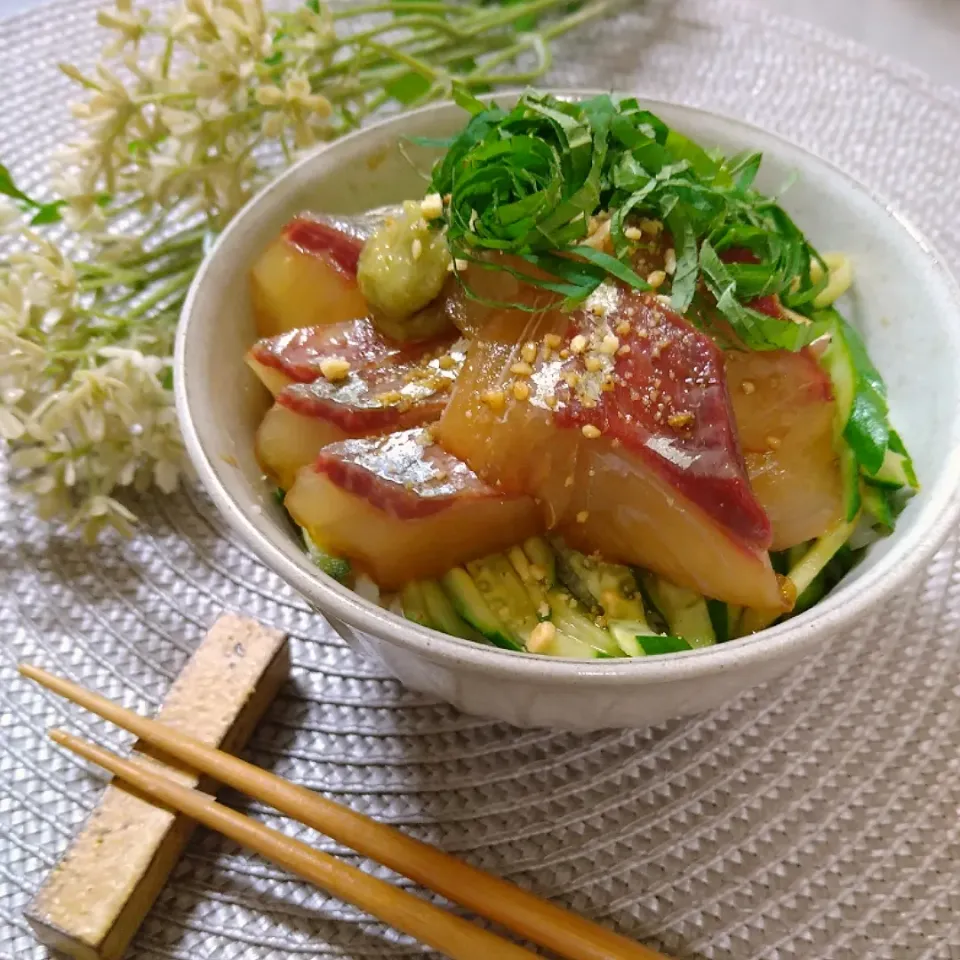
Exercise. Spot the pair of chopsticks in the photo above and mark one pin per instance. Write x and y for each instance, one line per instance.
(538, 921)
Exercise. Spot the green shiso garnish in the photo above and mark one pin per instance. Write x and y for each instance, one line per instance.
(526, 182)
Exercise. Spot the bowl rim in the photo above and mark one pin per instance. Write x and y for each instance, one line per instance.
(903, 560)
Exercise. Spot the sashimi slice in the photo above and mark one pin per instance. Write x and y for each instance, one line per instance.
(623, 432)
(298, 356)
(306, 276)
(402, 508)
(784, 408)
(368, 402)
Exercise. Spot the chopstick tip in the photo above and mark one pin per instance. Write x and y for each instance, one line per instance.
(60, 737)
(29, 671)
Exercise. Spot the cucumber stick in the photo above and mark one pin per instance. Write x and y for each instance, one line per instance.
(542, 559)
(896, 472)
(838, 362)
(472, 607)
(685, 611)
(876, 503)
(442, 613)
(570, 619)
(414, 605)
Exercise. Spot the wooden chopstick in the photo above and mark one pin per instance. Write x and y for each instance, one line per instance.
(452, 935)
(536, 920)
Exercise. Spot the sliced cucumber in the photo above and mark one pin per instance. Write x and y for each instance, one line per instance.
(505, 594)
(653, 646)
(442, 613)
(720, 619)
(570, 619)
(877, 503)
(610, 586)
(332, 566)
(470, 604)
(564, 645)
(838, 362)
(542, 559)
(684, 610)
(414, 605)
(818, 586)
(628, 634)
(896, 471)
(533, 580)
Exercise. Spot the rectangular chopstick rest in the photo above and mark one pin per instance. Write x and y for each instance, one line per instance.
(96, 897)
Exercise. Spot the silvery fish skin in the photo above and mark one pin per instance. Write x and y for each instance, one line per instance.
(358, 225)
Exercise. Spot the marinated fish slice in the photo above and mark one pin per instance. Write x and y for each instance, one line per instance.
(306, 276)
(624, 417)
(368, 402)
(302, 356)
(403, 509)
(514, 444)
(784, 408)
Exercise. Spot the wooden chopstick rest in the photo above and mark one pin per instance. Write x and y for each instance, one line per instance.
(456, 937)
(537, 920)
(96, 897)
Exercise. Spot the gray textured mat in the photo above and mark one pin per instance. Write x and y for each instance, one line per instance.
(816, 818)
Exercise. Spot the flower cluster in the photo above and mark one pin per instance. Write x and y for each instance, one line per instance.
(185, 115)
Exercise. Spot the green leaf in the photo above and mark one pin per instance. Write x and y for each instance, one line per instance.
(686, 272)
(408, 88)
(462, 97)
(442, 142)
(656, 645)
(10, 189)
(48, 213)
(867, 430)
(613, 266)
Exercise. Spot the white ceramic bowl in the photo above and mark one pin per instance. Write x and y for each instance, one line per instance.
(906, 304)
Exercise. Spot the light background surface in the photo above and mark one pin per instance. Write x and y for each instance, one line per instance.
(811, 819)
(925, 33)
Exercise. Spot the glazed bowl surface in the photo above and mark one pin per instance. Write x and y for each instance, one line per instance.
(905, 303)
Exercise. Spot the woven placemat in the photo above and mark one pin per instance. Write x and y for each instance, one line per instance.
(814, 818)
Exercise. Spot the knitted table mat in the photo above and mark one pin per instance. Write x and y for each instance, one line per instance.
(816, 817)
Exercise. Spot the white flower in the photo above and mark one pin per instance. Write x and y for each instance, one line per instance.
(180, 123)
(10, 215)
(129, 24)
(11, 426)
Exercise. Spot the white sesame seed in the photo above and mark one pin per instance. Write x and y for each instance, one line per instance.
(432, 206)
(633, 233)
(334, 368)
(541, 637)
(416, 248)
(609, 345)
(590, 431)
(670, 261)
(579, 343)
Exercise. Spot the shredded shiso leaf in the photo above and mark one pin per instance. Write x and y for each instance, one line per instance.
(527, 181)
